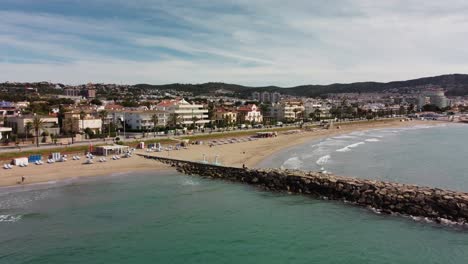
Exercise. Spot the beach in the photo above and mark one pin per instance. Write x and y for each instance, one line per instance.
(248, 153)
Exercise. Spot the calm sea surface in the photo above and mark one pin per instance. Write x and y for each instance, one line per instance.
(172, 218)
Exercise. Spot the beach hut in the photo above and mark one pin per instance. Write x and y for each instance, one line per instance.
(19, 161)
(56, 156)
(111, 150)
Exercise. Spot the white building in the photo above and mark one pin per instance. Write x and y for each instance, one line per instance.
(4, 132)
(19, 124)
(184, 113)
(287, 110)
(249, 114)
(79, 124)
(144, 120)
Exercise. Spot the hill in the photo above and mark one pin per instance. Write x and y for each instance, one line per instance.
(455, 84)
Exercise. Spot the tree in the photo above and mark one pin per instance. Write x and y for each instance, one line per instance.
(295, 110)
(28, 129)
(69, 127)
(431, 108)
(155, 120)
(96, 101)
(82, 117)
(175, 120)
(194, 121)
(103, 115)
(37, 124)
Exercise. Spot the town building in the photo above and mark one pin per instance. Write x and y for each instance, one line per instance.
(434, 96)
(223, 116)
(5, 132)
(74, 121)
(19, 124)
(256, 96)
(181, 112)
(249, 114)
(143, 120)
(287, 111)
(8, 109)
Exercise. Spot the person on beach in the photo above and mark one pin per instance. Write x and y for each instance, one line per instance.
(22, 179)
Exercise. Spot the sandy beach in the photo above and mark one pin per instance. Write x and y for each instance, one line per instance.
(249, 153)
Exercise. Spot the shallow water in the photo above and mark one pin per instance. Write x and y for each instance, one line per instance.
(423, 155)
(172, 218)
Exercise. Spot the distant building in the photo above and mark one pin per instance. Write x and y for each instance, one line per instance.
(266, 97)
(89, 93)
(72, 92)
(256, 96)
(275, 97)
(434, 96)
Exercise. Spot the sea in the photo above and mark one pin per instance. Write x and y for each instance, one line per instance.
(166, 217)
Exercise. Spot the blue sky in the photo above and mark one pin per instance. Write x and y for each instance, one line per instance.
(251, 42)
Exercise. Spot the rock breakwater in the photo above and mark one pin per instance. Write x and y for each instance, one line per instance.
(386, 197)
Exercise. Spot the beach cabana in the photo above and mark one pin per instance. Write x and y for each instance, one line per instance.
(266, 134)
(111, 150)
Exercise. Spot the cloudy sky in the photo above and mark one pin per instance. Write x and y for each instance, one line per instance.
(251, 42)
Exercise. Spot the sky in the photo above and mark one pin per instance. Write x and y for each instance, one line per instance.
(249, 42)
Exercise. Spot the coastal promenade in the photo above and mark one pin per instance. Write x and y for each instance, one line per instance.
(441, 206)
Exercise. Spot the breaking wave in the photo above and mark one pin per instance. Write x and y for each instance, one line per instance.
(293, 163)
(349, 147)
(323, 160)
(372, 140)
(10, 218)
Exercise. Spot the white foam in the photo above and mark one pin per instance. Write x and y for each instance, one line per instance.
(190, 182)
(10, 218)
(323, 160)
(344, 137)
(372, 140)
(293, 163)
(349, 147)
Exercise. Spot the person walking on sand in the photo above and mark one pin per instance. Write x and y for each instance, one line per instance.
(22, 179)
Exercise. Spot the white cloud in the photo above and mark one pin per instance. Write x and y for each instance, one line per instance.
(259, 42)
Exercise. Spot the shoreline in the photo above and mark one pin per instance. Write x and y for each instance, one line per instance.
(249, 153)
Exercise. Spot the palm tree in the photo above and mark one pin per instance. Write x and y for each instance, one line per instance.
(155, 120)
(295, 110)
(175, 120)
(82, 117)
(28, 129)
(103, 115)
(37, 124)
(194, 121)
(69, 127)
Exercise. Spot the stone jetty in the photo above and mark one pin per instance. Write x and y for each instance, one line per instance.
(387, 197)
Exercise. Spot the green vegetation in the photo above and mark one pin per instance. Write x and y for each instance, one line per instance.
(456, 84)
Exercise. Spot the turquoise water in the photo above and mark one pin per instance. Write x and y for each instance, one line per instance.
(172, 218)
(423, 155)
